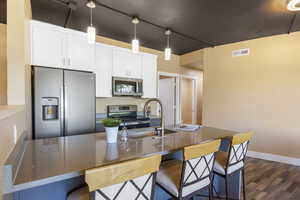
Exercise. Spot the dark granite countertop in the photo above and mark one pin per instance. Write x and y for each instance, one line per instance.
(49, 160)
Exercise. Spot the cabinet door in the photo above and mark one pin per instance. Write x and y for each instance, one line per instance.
(136, 65)
(103, 70)
(47, 45)
(80, 54)
(127, 64)
(149, 69)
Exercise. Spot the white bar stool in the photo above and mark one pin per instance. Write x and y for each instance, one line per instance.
(183, 179)
(228, 163)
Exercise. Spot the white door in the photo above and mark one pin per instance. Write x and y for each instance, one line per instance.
(167, 96)
(127, 64)
(80, 54)
(149, 68)
(47, 45)
(103, 70)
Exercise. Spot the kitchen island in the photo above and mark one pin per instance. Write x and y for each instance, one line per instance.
(55, 166)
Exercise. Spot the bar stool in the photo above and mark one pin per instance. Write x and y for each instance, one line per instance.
(228, 163)
(182, 179)
(127, 180)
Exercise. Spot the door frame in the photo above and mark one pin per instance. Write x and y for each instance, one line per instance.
(177, 92)
(194, 98)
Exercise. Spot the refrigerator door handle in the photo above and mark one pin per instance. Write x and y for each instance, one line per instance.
(66, 111)
(61, 111)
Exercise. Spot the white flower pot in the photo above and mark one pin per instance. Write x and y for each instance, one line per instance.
(112, 151)
(111, 134)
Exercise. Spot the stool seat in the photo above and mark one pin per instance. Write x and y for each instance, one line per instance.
(220, 164)
(80, 194)
(168, 175)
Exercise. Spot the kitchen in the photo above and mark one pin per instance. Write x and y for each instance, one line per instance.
(74, 69)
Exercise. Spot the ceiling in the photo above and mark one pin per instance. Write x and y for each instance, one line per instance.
(199, 23)
(3, 11)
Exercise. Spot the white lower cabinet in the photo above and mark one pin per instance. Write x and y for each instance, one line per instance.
(149, 72)
(103, 70)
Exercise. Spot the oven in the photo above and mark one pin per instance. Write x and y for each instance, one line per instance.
(128, 115)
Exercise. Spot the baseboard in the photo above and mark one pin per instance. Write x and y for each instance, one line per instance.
(273, 157)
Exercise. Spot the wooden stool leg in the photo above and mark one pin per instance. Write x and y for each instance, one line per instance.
(210, 192)
(244, 186)
(226, 186)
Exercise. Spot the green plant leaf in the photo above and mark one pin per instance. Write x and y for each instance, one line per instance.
(111, 122)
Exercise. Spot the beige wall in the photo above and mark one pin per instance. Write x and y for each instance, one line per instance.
(199, 75)
(193, 59)
(3, 65)
(186, 88)
(258, 92)
(18, 56)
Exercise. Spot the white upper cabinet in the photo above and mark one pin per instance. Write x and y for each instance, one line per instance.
(149, 71)
(47, 45)
(103, 70)
(54, 46)
(80, 54)
(127, 64)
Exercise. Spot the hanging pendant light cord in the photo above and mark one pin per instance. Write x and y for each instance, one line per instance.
(91, 16)
(168, 41)
(134, 31)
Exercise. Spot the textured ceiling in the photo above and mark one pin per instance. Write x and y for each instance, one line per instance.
(3, 11)
(213, 21)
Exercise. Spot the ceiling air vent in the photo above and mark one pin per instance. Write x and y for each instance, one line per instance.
(241, 52)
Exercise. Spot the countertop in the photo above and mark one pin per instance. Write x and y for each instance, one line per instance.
(49, 160)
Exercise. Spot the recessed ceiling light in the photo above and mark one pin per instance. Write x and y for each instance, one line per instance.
(293, 5)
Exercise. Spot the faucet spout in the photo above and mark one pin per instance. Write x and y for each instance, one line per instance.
(162, 123)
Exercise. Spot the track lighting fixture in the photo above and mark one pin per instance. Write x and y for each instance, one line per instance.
(168, 50)
(135, 43)
(91, 31)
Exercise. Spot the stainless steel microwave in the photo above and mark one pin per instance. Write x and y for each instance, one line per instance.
(127, 87)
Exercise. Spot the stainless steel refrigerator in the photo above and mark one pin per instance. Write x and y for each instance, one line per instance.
(63, 102)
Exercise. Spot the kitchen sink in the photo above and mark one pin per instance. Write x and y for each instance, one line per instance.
(145, 132)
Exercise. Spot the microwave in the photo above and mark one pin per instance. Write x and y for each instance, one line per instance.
(127, 87)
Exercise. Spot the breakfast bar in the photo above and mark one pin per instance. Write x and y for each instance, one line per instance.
(57, 164)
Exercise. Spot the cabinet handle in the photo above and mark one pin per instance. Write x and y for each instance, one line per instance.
(69, 61)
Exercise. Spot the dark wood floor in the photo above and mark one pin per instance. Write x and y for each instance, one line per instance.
(267, 180)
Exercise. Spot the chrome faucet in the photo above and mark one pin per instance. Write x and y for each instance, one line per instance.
(162, 123)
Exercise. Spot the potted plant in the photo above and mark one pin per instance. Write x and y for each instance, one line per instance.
(111, 128)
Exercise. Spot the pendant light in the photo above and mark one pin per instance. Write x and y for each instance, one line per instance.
(135, 43)
(168, 50)
(293, 5)
(91, 31)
